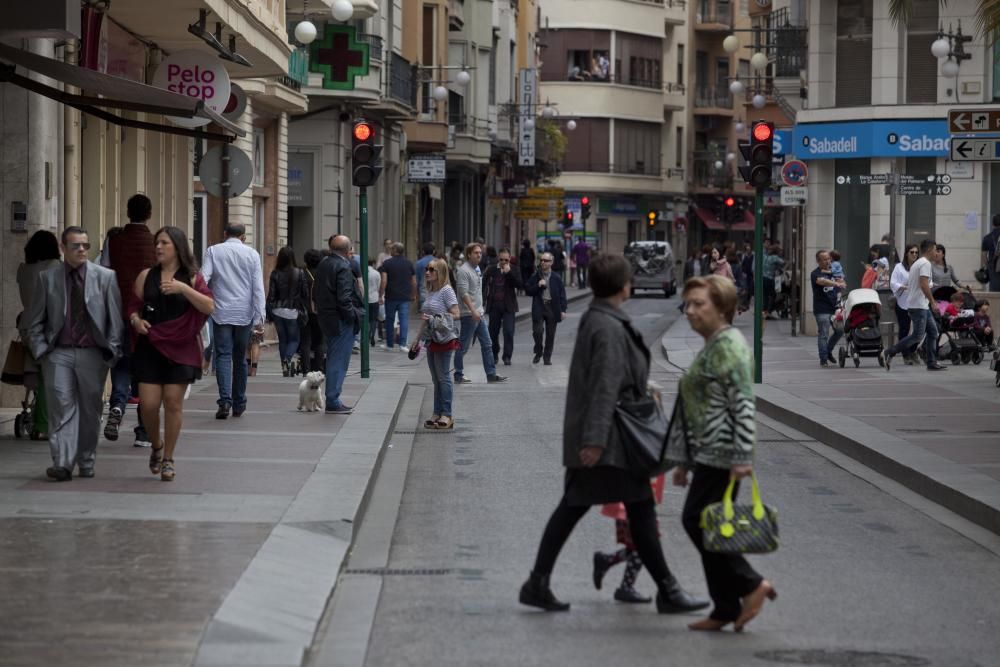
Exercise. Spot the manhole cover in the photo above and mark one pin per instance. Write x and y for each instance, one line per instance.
(836, 658)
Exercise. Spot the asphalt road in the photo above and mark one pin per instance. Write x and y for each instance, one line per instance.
(864, 578)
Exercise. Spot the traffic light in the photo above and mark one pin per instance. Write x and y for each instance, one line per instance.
(567, 220)
(758, 154)
(728, 209)
(652, 218)
(365, 154)
(585, 209)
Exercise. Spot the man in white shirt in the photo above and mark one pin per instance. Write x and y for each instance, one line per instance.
(918, 305)
(469, 287)
(234, 272)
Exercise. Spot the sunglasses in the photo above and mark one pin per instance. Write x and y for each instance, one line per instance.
(78, 246)
(431, 269)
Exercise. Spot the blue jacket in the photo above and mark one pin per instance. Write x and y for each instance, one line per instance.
(556, 288)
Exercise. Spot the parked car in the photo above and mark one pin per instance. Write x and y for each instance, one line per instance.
(652, 266)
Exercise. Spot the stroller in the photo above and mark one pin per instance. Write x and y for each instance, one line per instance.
(862, 335)
(958, 341)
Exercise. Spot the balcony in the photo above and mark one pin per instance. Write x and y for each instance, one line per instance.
(713, 101)
(706, 177)
(398, 100)
(675, 96)
(374, 43)
(606, 99)
(298, 69)
(713, 16)
(676, 12)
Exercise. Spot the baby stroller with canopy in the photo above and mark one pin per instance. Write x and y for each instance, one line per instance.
(862, 335)
(958, 340)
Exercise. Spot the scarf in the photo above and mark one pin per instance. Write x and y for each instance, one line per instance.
(179, 339)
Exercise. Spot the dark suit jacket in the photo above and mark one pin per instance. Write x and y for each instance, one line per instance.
(48, 311)
(555, 287)
(510, 288)
(335, 295)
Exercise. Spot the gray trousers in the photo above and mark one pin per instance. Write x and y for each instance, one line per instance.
(74, 385)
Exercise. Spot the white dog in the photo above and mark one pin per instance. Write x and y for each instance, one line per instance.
(311, 394)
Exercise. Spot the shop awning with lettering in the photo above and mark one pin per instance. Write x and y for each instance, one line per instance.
(99, 92)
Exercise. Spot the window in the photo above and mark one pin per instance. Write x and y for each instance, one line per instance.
(679, 148)
(259, 156)
(921, 65)
(637, 148)
(854, 53)
(200, 148)
(680, 64)
(493, 71)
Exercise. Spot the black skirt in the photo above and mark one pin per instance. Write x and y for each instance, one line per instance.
(604, 484)
(151, 367)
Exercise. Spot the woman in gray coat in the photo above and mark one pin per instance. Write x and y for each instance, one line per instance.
(610, 362)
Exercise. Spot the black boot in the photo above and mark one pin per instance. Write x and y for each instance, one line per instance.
(631, 595)
(601, 566)
(536, 593)
(672, 599)
(284, 369)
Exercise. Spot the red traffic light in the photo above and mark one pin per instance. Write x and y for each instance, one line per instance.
(761, 132)
(585, 201)
(569, 216)
(362, 131)
(730, 202)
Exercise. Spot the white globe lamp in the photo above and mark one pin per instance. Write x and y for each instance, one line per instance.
(440, 93)
(736, 87)
(740, 126)
(548, 112)
(949, 68)
(571, 125)
(529, 124)
(759, 101)
(305, 32)
(718, 164)
(730, 157)
(342, 10)
(463, 78)
(731, 44)
(940, 48)
(758, 61)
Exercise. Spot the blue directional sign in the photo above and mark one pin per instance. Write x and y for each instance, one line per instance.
(879, 138)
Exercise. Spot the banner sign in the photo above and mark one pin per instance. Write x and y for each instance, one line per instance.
(526, 135)
(879, 138)
(195, 74)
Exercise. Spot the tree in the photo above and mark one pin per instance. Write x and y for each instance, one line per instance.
(987, 15)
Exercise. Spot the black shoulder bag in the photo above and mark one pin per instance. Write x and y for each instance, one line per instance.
(642, 428)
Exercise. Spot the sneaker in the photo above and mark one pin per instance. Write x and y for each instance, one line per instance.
(114, 421)
(824, 364)
(340, 410)
(142, 438)
(462, 380)
(493, 379)
(937, 367)
(830, 359)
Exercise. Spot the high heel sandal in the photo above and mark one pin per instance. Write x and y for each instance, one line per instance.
(708, 625)
(432, 422)
(156, 460)
(167, 470)
(753, 603)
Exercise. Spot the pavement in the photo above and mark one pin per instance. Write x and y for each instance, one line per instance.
(231, 564)
(937, 433)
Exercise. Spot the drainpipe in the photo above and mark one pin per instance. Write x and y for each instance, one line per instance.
(71, 147)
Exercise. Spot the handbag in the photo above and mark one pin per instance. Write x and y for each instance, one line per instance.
(442, 329)
(13, 365)
(982, 275)
(642, 428)
(739, 529)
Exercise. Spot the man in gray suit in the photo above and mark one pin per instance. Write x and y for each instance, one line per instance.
(75, 331)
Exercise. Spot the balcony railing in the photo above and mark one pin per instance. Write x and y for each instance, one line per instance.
(714, 12)
(374, 43)
(401, 83)
(298, 69)
(635, 168)
(706, 97)
(705, 175)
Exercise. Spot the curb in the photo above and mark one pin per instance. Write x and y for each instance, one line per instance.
(972, 495)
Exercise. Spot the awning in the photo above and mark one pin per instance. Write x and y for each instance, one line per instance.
(101, 90)
(710, 220)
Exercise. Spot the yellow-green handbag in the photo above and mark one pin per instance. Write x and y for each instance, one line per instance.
(740, 529)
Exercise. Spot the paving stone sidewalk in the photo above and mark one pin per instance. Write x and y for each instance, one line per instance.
(935, 432)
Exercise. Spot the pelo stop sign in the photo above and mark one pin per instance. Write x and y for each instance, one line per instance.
(194, 74)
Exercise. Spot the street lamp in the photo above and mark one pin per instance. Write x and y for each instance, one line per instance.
(736, 87)
(571, 125)
(440, 93)
(342, 10)
(463, 78)
(758, 61)
(305, 32)
(731, 44)
(759, 101)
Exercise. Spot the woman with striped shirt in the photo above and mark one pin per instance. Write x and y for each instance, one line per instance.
(441, 302)
(716, 443)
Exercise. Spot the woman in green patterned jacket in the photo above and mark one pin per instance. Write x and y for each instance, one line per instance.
(716, 443)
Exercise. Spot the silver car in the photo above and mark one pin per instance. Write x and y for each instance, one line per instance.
(652, 266)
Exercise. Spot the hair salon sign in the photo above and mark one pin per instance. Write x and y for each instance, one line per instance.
(194, 74)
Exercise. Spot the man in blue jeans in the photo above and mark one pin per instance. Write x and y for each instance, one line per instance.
(825, 293)
(397, 289)
(338, 309)
(469, 287)
(234, 272)
(919, 302)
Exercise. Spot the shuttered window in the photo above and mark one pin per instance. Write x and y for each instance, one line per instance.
(854, 53)
(637, 148)
(921, 65)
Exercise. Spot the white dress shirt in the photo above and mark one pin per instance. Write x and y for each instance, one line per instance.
(233, 270)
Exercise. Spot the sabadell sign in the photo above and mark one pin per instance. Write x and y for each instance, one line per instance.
(195, 74)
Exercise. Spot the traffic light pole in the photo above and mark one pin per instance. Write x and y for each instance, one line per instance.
(758, 287)
(365, 324)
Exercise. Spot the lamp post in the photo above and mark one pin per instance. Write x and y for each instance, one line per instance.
(950, 46)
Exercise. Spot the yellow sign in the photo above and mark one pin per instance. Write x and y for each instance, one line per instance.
(546, 193)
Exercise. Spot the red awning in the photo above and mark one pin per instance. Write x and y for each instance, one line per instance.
(711, 221)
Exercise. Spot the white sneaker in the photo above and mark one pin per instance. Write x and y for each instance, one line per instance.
(381, 346)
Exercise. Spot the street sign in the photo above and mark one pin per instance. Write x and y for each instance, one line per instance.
(546, 193)
(907, 189)
(796, 195)
(974, 121)
(794, 173)
(426, 169)
(901, 179)
(978, 150)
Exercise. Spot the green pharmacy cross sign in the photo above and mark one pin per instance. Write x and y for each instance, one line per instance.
(339, 57)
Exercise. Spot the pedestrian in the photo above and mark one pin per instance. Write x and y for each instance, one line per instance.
(338, 307)
(899, 284)
(169, 303)
(692, 267)
(991, 254)
(500, 286)
(490, 258)
(716, 444)
(918, 303)
(610, 362)
(836, 268)
(887, 250)
(75, 330)
(469, 288)
(548, 308)
(374, 296)
(397, 289)
(943, 274)
(526, 261)
(440, 311)
(287, 296)
(312, 344)
(382, 256)
(720, 265)
(826, 294)
(705, 260)
(773, 268)
(627, 554)
(41, 253)
(420, 268)
(128, 252)
(559, 261)
(581, 255)
(234, 273)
